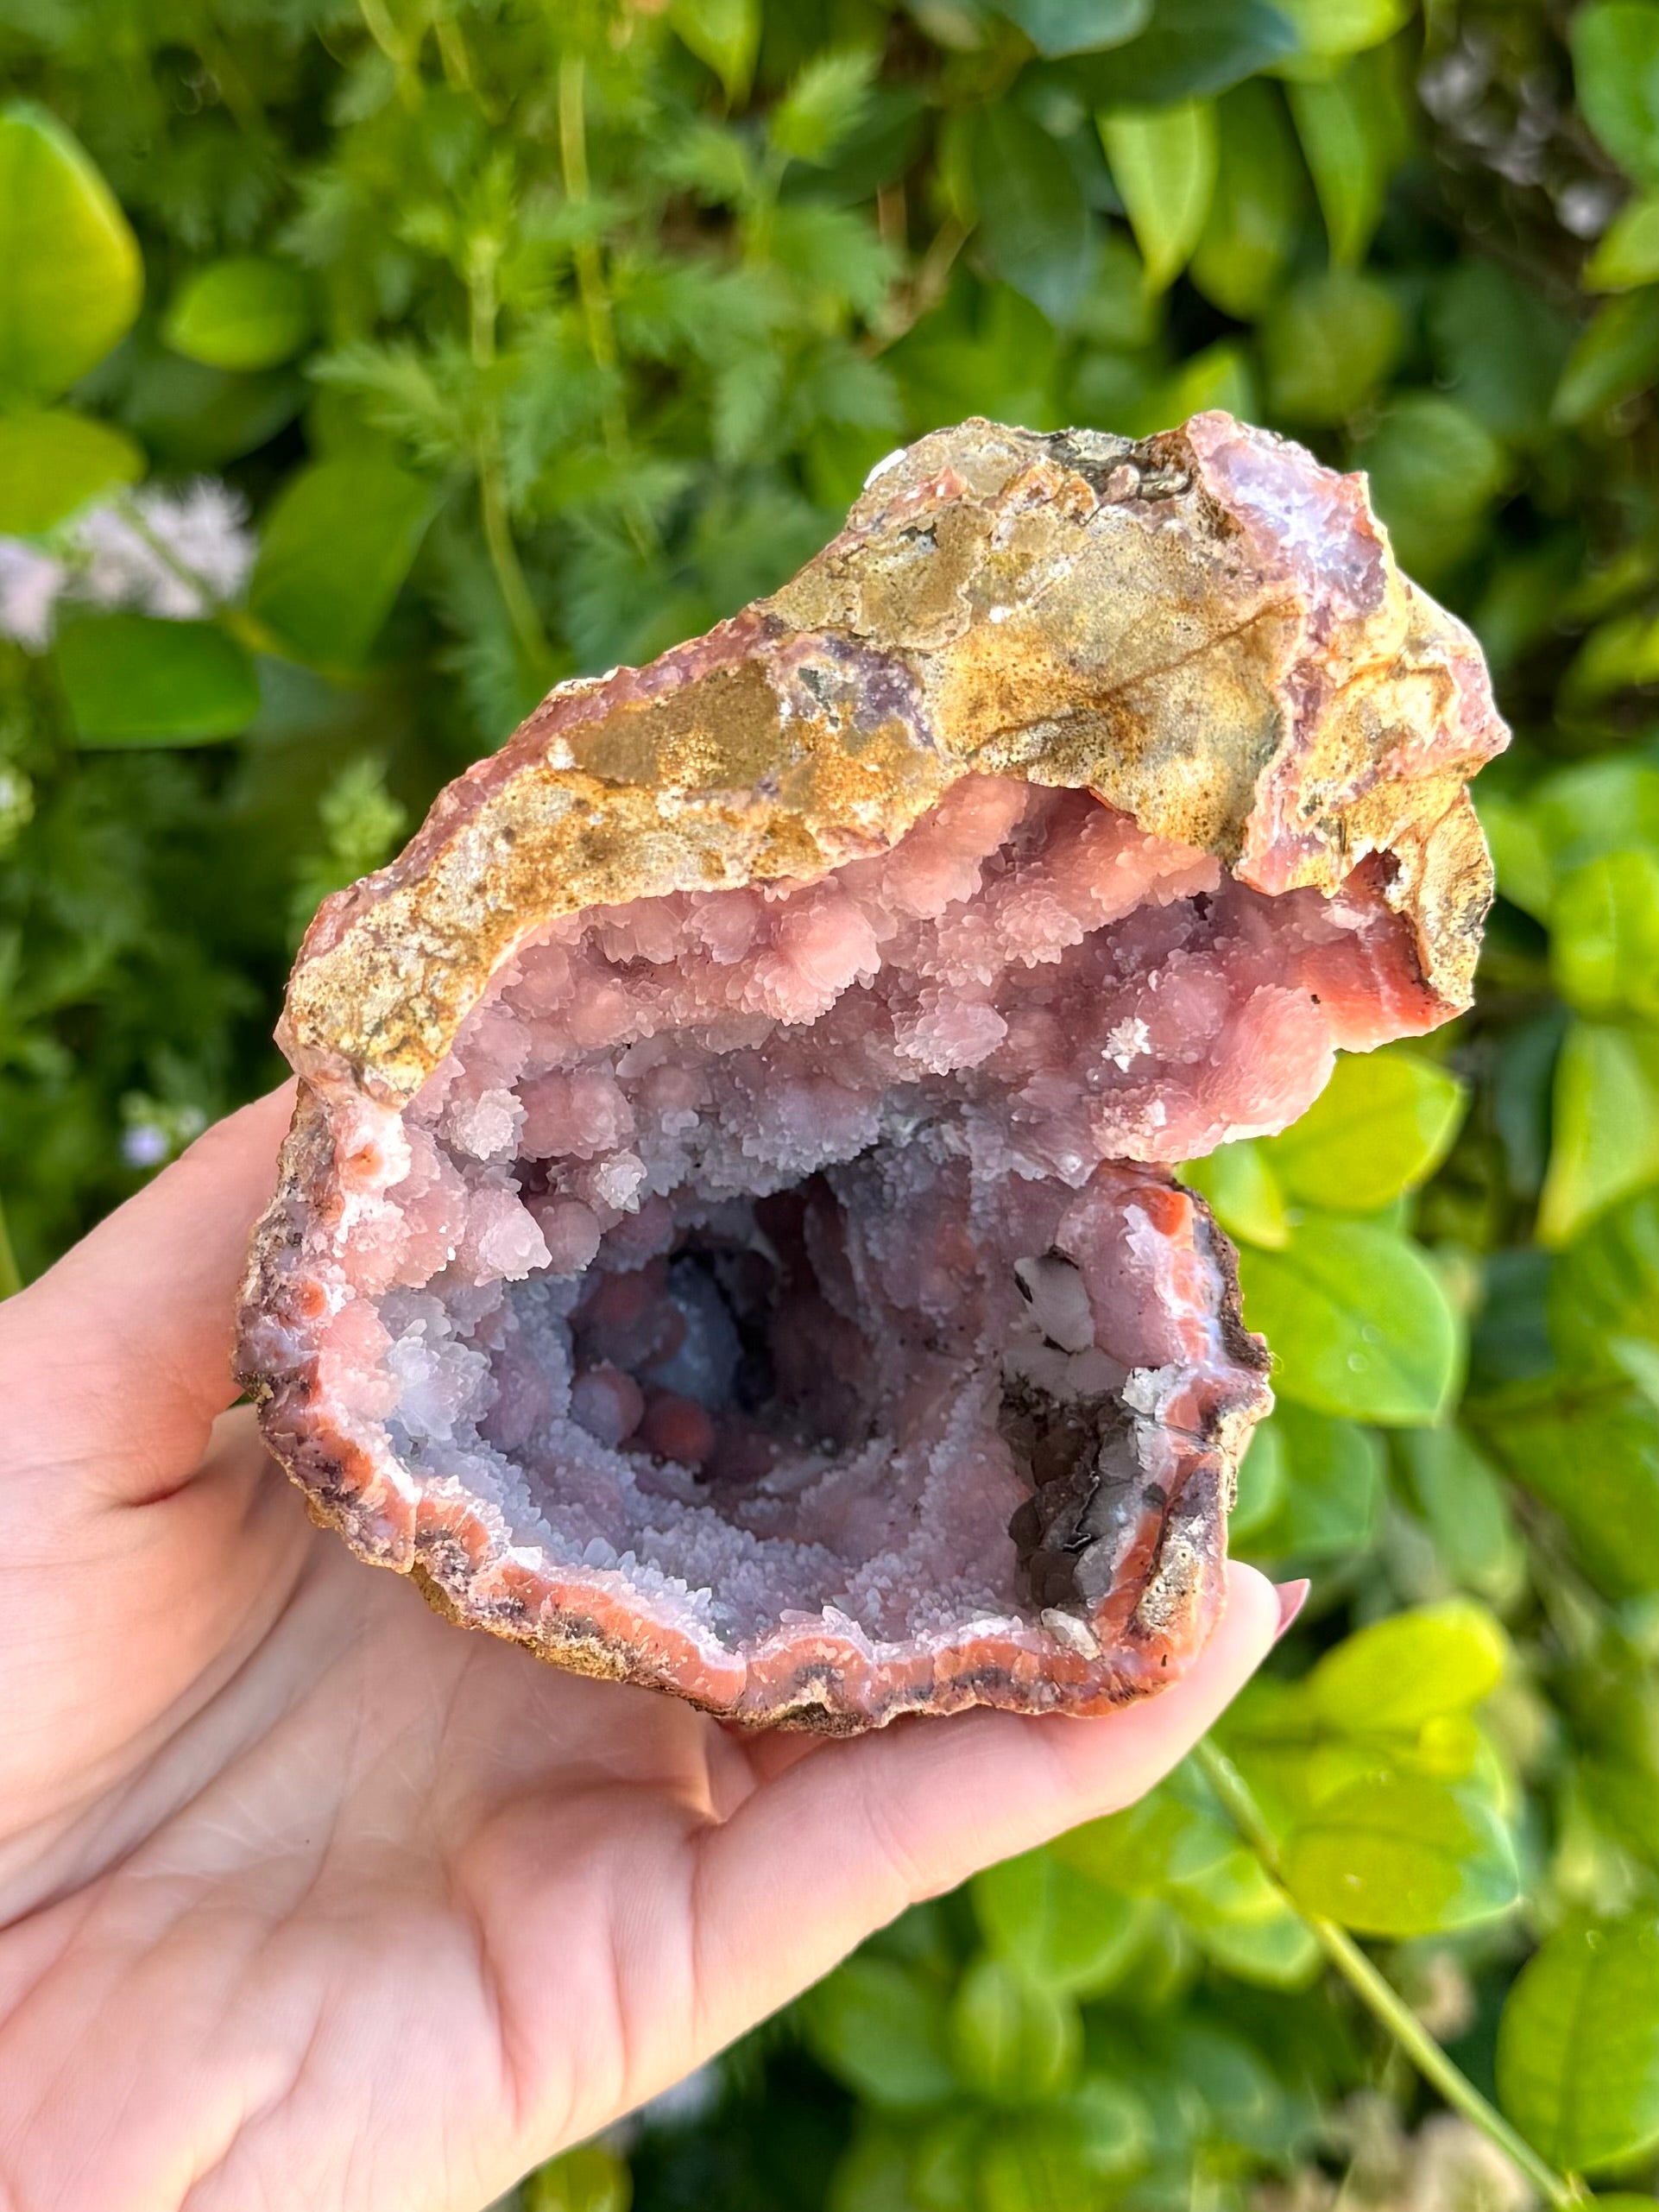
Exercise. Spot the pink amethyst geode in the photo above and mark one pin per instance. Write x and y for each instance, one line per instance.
(729, 1239)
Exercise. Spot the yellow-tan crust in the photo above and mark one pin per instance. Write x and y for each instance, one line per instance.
(1071, 609)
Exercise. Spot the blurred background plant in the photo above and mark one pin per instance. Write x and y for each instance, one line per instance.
(366, 368)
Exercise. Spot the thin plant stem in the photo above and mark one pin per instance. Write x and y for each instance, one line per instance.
(483, 311)
(11, 1275)
(590, 271)
(377, 21)
(1379, 1996)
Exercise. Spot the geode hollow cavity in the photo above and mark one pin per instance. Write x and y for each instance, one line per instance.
(728, 1238)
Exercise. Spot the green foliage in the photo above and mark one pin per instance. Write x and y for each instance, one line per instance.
(1578, 2052)
(533, 339)
(130, 680)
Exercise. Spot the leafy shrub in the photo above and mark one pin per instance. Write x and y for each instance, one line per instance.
(364, 369)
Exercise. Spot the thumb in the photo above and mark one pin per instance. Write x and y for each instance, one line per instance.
(116, 1361)
(842, 1841)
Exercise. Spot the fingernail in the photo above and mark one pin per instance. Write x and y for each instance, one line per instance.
(1292, 1597)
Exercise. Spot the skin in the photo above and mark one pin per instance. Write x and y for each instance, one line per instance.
(307, 1898)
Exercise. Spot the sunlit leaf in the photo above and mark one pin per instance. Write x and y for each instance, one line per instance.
(1399, 1672)
(1617, 355)
(1244, 1194)
(1163, 164)
(246, 313)
(1606, 1139)
(1329, 1488)
(1382, 1125)
(1627, 252)
(52, 462)
(725, 34)
(1578, 2046)
(1615, 70)
(71, 277)
(1353, 135)
(1403, 1855)
(1255, 210)
(1359, 1323)
(1055, 1925)
(1604, 944)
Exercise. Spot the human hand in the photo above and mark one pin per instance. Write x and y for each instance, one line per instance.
(309, 1900)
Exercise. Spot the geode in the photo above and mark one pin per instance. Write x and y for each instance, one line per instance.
(729, 1237)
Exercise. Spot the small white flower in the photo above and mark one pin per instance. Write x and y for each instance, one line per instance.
(30, 583)
(205, 526)
(125, 551)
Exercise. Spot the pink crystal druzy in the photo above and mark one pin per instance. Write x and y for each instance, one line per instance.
(729, 1239)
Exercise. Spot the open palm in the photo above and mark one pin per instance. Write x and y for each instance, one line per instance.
(310, 1900)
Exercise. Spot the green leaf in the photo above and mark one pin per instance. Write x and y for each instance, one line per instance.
(1608, 805)
(1354, 135)
(1061, 27)
(1263, 1479)
(1332, 1491)
(824, 105)
(1605, 1137)
(1034, 228)
(1255, 211)
(130, 680)
(1015, 2040)
(1578, 2045)
(1591, 1453)
(1499, 349)
(336, 546)
(1192, 49)
(1435, 471)
(1163, 165)
(1617, 356)
(1400, 1855)
(1399, 1672)
(1358, 1321)
(1056, 2161)
(1327, 343)
(52, 462)
(1627, 253)
(245, 313)
(71, 277)
(1604, 945)
(1616, 69)
(1328, 27)
(1055, 1924)
(588, 2179)
(1462, 1500)
(1605, 1291)
(1243, 1193)
(724, 34)
(881, 2029)
(1381, 1126)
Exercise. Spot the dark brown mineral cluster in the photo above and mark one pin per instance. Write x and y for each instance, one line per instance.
(729, 1239)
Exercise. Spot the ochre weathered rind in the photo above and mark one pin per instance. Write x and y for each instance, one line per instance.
(1202, 629)
(1155, 621)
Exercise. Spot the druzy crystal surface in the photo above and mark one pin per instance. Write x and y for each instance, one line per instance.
(729, 1238)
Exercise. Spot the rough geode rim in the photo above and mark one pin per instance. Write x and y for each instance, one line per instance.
(1353, 711)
